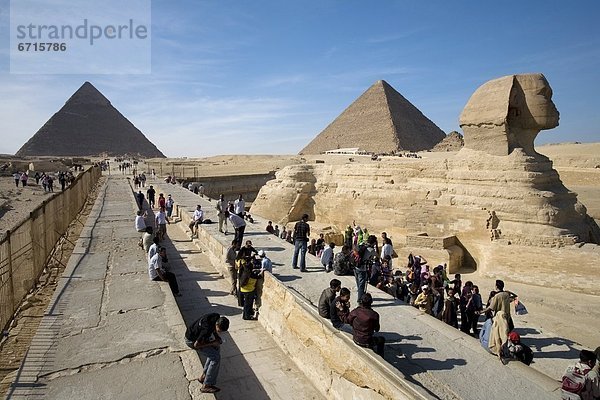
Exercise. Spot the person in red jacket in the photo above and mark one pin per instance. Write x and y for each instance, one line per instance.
(365, 322)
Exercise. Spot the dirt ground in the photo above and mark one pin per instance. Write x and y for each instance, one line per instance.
(17, 203)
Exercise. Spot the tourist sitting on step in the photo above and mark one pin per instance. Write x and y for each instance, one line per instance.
(140, 199)
(197, 219)
(327, 296)
(147, 239)
(270, 227)
(140, 221)
(158, 272)
(154, 248)
(342, 262)
(365, 322)
(340, 308)
(514, 349)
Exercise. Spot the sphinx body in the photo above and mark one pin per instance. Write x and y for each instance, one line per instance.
(497, 170)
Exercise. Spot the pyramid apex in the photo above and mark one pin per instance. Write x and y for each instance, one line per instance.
(381, 82)
(88, 94)
(380, 120)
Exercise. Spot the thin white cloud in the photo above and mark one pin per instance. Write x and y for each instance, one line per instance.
(393, 37)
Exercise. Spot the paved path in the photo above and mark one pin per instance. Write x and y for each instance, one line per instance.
(252, 365)
(111, 333)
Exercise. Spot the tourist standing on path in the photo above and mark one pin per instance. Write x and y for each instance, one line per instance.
(169, 205)
(140, 199)
(162, 202)
(221, 208)
(17, 178)
(161, 223)
(239, 225)
(366, 255)
(248, 278)
(203, 335)
(151, 193)
(502, 322)
(230, 260)
(265, 265)
(300, 235)
(24, 178)
(365, 322)
(157, 272)
(327, 257)
(239, 206)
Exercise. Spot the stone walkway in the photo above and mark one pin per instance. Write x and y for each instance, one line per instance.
(111, 333)
(252, 364)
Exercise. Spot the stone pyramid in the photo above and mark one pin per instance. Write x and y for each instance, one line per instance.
(381, 120)
(88, 125)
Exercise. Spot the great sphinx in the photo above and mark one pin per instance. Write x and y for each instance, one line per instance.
(497, 170)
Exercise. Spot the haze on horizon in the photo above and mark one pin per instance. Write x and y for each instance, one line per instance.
(266, 77)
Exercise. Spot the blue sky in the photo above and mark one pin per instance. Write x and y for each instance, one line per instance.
(265, 77)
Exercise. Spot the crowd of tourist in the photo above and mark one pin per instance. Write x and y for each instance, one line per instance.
(374, 263)
(65, 178)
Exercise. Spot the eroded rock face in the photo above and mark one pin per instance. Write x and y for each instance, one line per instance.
(498, 170)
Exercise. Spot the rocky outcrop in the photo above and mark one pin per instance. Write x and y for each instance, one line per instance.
(452, 142)
(381, 120)
(88, 125)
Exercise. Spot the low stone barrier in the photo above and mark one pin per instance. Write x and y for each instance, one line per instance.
(329, 358)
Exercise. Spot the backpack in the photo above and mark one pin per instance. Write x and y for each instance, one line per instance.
(359, 254)
(573, 383)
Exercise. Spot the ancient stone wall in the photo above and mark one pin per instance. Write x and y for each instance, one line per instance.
(25, 249)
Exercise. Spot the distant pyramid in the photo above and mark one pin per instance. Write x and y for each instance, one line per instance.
(379, 121)
(88, 125)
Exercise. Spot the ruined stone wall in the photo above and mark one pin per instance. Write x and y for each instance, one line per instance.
(25, 248)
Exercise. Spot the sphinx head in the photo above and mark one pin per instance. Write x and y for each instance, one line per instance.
(507, 114)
